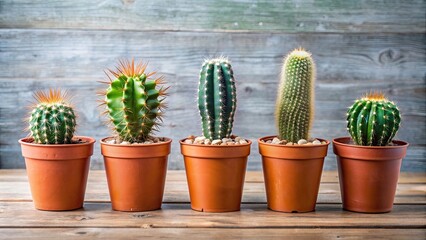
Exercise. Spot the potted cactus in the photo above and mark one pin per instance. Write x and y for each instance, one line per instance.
(369, 161)
(292, 161)
(57, 162)
(135, 160)
(216, 162)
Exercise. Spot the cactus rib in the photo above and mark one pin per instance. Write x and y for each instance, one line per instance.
(295, 102)
(217, 98)
(52, 120)
(373, 120)
(133, 102)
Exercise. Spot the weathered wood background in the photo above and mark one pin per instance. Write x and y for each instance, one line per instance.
(358, 46)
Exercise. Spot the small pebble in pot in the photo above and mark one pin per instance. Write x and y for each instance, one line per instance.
(216, 142)
(302, 141)
(191, 137)
(276, 141)
(200, 139)
(316, 142)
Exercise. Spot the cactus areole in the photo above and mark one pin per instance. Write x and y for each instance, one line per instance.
(295, 102)
(373, 120)
(52, 120)
(217, 98)
(133, 101)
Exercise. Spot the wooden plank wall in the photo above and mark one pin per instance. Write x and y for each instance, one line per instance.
(358, 46)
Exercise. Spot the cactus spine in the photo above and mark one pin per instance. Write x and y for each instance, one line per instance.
(217, 98)
(133, 102)
(373, 120)
(295, 102)
(52, 121)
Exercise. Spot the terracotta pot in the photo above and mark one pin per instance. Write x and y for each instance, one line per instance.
(368, 175)
(292, 174)
(136, 174)
(215, 175)
(57, 173)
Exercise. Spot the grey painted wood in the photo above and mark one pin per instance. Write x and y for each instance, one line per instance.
(347, 66)
(358, 46)
(371, 16)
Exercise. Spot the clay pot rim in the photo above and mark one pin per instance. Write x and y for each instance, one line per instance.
(261, 141)
(168, 141)
(89, 141)
(182, 142)
(340, 142)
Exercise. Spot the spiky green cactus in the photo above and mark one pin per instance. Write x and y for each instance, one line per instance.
(373, 120)
(134, 102)
(295, 102)
(217, 98)
(52, 120)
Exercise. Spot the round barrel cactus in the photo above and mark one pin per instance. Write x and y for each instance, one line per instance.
(373, 120)
(134, 101)
(52, 120)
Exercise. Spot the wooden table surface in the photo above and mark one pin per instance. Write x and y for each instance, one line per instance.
(19, 219)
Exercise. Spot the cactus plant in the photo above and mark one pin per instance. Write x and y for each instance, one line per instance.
(217, 98)
(373, 120)
(52, 121)
(295, 102)
(134, 101)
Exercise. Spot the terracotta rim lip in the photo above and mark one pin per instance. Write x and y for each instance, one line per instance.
(182, 142)
(338, 142)
(261, 142)
(90, 141)
(168, 141)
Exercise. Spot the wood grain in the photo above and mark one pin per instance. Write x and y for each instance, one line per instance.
(19, 219)
(244, 15)
(14, 187)
(208, 233)
(181, 216)
(348, 66)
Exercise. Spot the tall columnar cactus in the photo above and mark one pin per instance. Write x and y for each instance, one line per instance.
(295, 102)
(134, 102)
(217, 98)
(52, 120)
(373, 120)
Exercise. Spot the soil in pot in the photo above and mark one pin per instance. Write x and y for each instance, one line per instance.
(368, 175)
(57, 173)
(215, 175)
(136, 174)
(292, 174)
